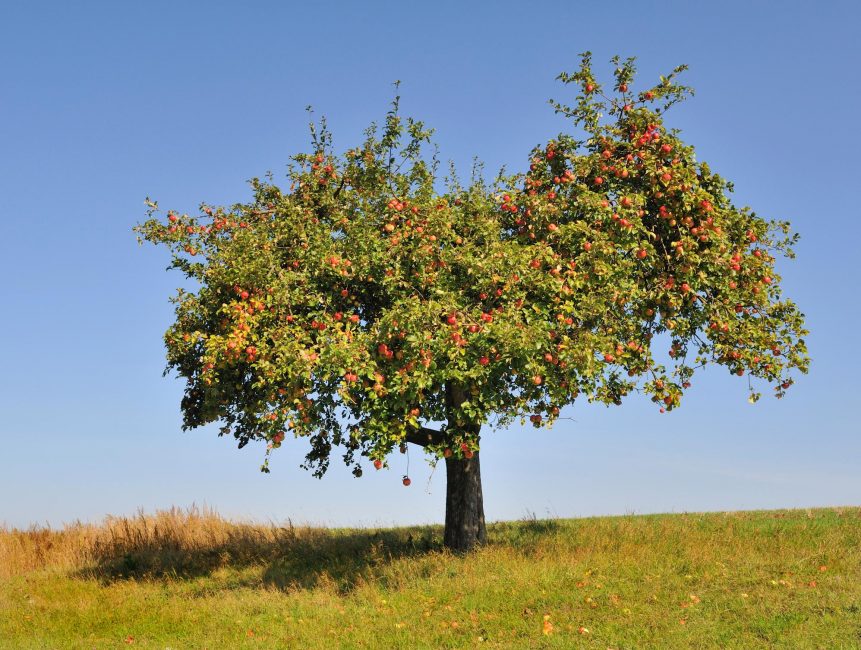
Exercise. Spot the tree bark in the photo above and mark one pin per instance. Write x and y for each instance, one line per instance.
(464, 501)
(464, 504)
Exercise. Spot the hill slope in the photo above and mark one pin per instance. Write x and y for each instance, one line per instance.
(189, 579)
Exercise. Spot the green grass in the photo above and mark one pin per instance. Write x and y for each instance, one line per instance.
(781, 579)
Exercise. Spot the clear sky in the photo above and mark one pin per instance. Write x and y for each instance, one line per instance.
(104, 103)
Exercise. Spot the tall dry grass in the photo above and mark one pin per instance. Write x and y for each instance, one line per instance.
(176, 540)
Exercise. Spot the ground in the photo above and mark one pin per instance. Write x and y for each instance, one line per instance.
(189, 579)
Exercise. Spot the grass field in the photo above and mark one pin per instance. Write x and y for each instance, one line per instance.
(190, 579)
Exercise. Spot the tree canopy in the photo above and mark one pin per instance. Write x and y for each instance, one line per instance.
(371, 296)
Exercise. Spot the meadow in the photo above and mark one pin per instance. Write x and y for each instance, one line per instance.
(191, 579)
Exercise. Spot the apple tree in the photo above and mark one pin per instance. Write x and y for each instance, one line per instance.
(361, 307)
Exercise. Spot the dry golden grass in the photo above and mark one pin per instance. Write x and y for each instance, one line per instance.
(176, 540)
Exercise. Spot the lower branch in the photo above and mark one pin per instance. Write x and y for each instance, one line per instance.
(424, 437)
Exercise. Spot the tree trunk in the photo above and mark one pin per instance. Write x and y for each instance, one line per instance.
(464, 504)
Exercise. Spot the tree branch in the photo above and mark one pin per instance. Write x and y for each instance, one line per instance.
(340, 187)
(424, 437)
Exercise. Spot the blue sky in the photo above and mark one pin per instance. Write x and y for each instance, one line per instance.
(104, 103)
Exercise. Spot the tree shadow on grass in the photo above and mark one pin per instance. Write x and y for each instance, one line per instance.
(189, 545)
(290, 558)
(344, 560)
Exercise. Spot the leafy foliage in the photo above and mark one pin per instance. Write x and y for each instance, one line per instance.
(362, 303)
